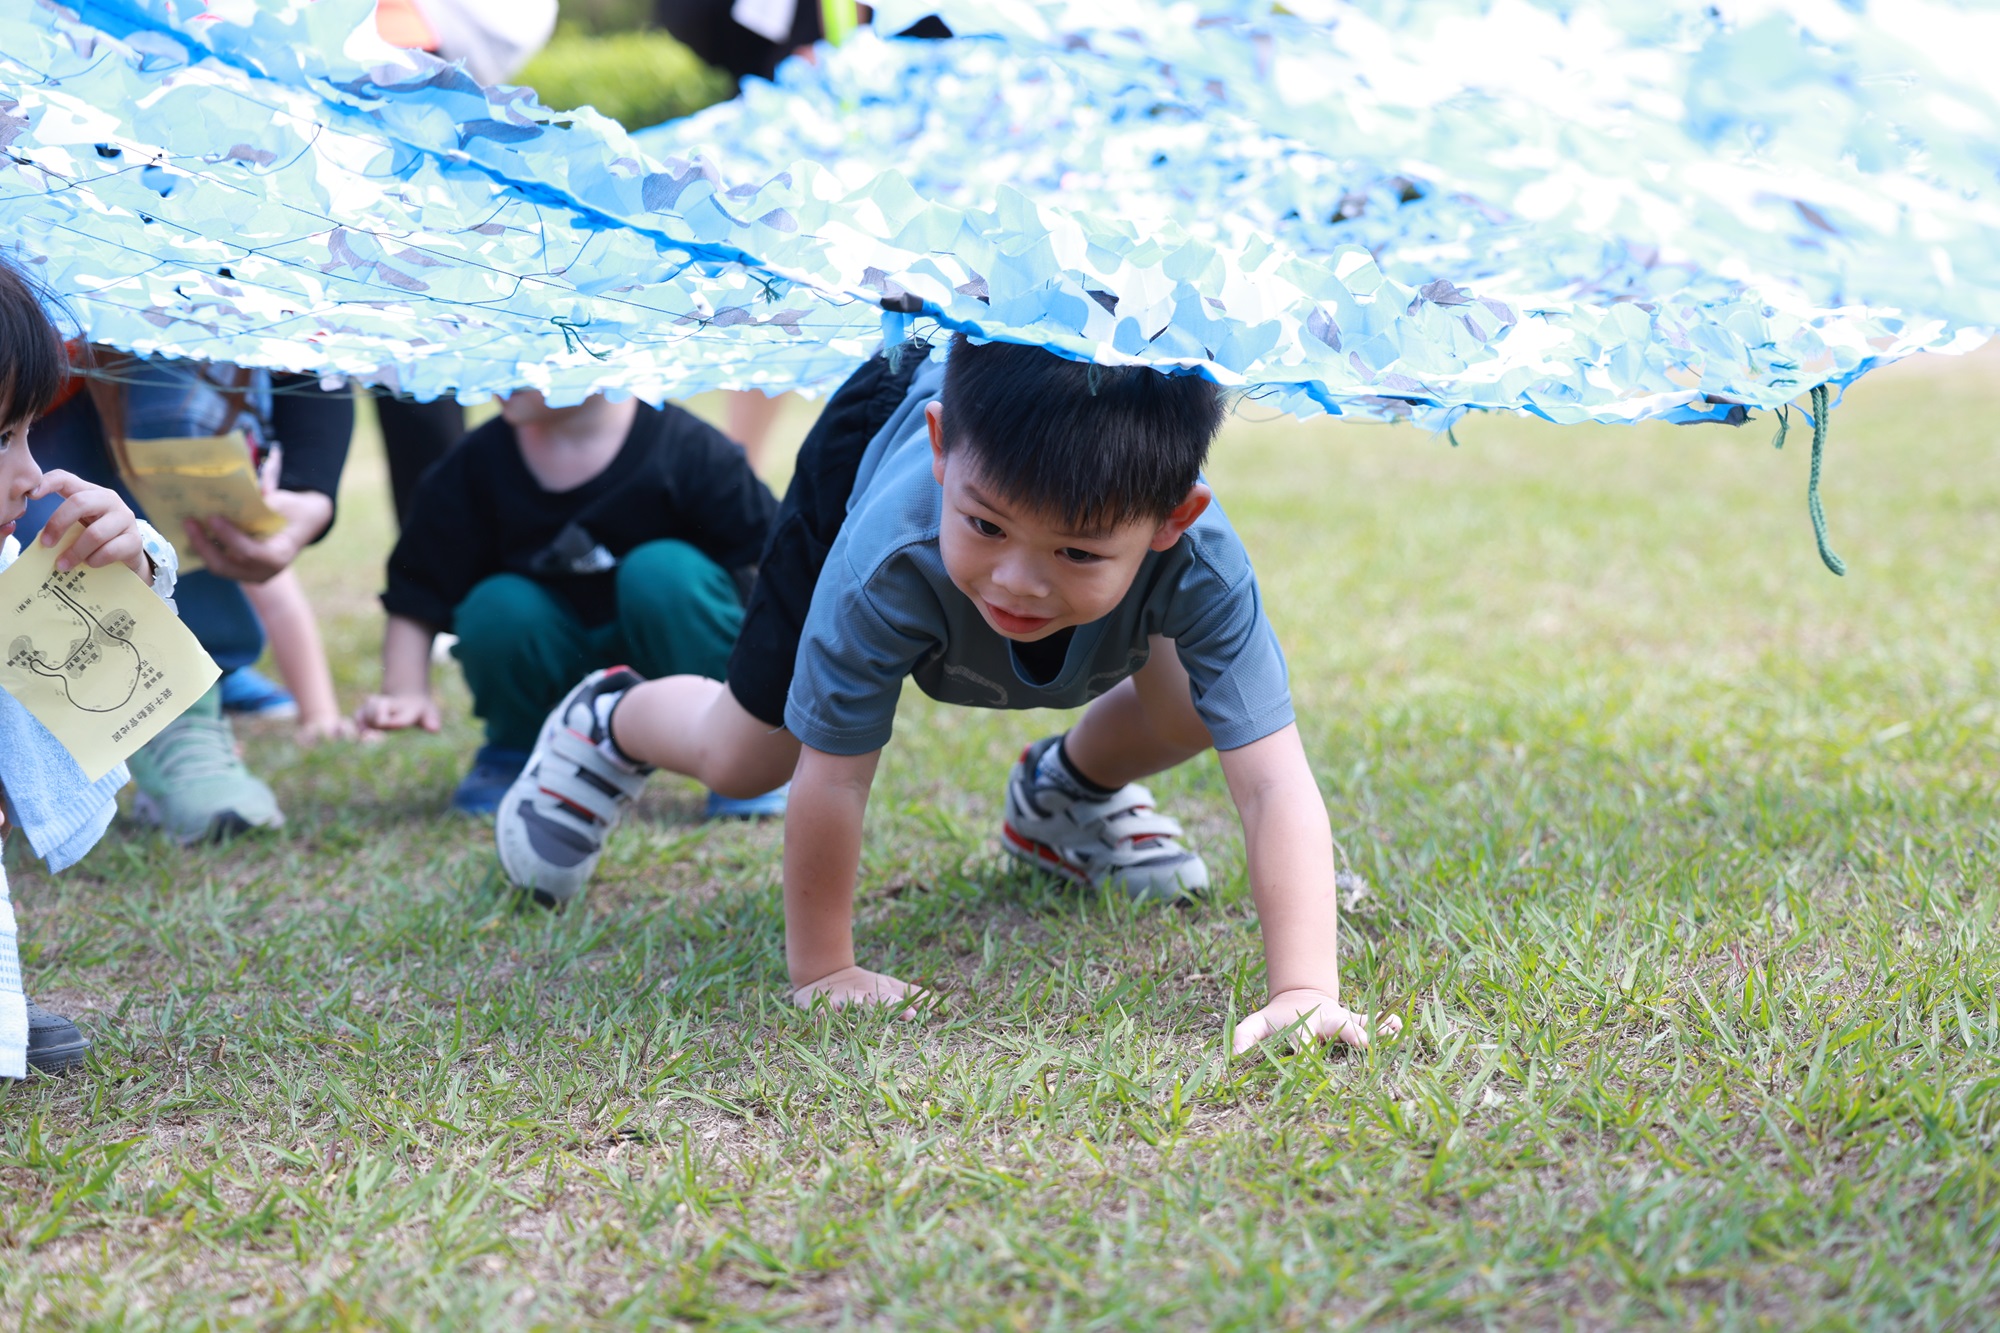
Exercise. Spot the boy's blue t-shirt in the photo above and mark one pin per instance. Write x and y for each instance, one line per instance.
(885, 609)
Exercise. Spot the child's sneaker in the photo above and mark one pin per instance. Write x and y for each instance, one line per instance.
(193, 784)
(553, 821)
(771, 805)
(1117, 838)
(246, 693)
(493, 771)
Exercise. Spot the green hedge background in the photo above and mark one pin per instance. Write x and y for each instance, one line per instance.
(606, 54)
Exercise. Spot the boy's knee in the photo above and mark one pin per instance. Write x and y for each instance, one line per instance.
(667, 566)
(744, 774)
(501, 616)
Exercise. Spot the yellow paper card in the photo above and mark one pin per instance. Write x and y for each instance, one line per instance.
(197, 478)
(95, 656)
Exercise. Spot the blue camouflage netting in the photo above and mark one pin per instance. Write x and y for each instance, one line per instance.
(1590, 210)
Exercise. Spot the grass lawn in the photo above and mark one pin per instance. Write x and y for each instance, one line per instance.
(1681, 856)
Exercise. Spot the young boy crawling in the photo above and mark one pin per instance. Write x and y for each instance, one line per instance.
(1011, 530)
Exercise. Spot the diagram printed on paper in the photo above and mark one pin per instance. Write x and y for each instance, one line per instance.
(95, 656)
(91, 656)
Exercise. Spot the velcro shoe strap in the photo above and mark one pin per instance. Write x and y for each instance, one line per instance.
(571, 779)
(580, 796)
(579, 751)
(1127, 798)
(1128, 825)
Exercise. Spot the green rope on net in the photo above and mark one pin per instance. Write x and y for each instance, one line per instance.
(1832, 561)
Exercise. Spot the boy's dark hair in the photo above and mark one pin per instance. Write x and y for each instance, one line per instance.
(1089, 446)
(33, 365)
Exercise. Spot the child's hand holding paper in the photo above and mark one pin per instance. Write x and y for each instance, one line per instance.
(199, 480)
(110, 529)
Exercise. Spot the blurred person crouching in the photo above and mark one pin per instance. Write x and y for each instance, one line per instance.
(191, 780)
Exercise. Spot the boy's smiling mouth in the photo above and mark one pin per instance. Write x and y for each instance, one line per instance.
(1009, 623)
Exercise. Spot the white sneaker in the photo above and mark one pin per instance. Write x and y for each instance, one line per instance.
(552, 823)
(1117, 839)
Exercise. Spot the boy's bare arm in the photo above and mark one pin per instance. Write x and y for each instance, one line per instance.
(822, 860)
(405, 700)
(1290, 849)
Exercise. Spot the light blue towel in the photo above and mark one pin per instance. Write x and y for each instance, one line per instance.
(62, 814)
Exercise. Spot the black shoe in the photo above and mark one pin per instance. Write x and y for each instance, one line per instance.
(55, 1045)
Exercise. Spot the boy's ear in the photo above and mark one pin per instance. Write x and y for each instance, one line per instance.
(1183, 516)
(934, 418)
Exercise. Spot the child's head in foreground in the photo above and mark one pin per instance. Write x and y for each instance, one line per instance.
(33, 368)
(1059, 477)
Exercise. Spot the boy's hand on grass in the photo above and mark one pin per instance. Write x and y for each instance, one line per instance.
(1323, 1015)
(397, 712)
(311, 731)
(110, 533)
(859, 986)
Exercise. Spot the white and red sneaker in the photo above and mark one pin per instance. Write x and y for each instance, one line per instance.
(1100, 841)
(553, 821)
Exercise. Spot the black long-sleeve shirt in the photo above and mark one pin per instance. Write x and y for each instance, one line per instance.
(314, 427)
(479, 512)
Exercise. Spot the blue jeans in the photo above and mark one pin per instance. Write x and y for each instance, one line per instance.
(169, 401)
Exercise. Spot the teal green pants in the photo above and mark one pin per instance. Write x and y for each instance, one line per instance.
(522, 648)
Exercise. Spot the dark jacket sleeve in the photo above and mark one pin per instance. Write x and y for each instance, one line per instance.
(721, 506)
(445, 549)
(313, 426)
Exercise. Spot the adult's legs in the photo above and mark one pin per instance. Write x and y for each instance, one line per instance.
(521, 649)
(414, 436)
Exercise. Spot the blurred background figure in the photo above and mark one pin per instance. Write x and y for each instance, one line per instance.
(750, 37)
(191, 779)
(556, 541)
(491, 38)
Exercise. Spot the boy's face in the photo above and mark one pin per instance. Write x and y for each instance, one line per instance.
(18, 475)
(527, 407)
(1028, 576)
